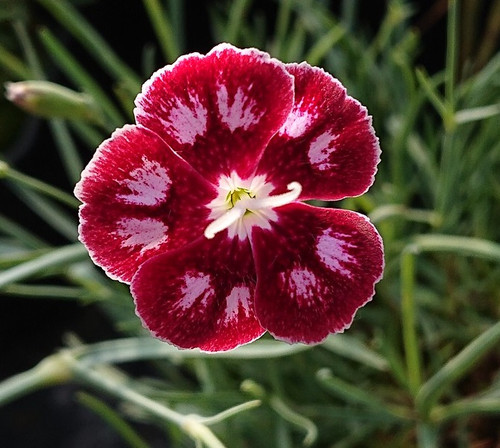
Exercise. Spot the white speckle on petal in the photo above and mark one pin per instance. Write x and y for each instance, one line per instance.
(302, 284)
(186, 122)
(196, 285)
(297, 122)
(240, 114)
(148, 233)
(237, 299)
(332, 249)
(148, 184)
(321, 149)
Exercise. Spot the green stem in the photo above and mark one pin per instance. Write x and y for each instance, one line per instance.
(408, 309)
(221, 416)
(427, 436)
(52, 370)
(296, 419)
(189, 424)
(451, 54)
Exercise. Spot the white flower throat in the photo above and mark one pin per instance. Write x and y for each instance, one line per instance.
(242, 204)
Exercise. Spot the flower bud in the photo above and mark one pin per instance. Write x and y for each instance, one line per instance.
(50, 100)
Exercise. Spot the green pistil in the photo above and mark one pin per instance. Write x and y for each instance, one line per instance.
(234, 196)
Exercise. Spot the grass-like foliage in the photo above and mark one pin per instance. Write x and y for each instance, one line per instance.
(420, 365)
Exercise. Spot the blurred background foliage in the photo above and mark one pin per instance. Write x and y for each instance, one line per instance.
(420, 365)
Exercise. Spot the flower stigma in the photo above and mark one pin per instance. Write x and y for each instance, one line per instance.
(242, 204)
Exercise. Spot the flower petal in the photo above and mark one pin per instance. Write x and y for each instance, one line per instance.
(139, 200)
(218, 111)
(200, 296)
(314, 269)
(327, 143)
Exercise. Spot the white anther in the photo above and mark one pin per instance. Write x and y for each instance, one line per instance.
(277, 201)
(224, 221)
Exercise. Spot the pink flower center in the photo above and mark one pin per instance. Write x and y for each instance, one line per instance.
(242, 204)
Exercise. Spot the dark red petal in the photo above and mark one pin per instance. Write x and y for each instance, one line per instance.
(314, 269)
(218, 111)
(200, 296)
(139, 200)
(327, 144)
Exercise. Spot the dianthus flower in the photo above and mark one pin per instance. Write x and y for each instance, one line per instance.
(199, 205)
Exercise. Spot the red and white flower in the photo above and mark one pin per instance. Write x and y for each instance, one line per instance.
(199, 205)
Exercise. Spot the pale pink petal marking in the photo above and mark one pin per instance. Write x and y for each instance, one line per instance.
(149, 233)
(240, 114)
(196, 285)
(301, 283)
(237, 299)
(332, 249)
(320, 150)
(299, 121)
(186, 122)
(148, 184)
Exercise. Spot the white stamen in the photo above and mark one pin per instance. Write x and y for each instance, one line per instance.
(278, 200)
(223, 222)
(253, 205)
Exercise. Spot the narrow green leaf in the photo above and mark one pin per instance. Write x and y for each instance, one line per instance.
(456, 368)
(45, 291)
(282, 24)
(163, 29)
(49, 211)
(91, 136)
(14, 65)
(29, 50)
(14, 229)
(6, 172)
(323, 45)
(70, 66)
(96, 46)
(432, 93)
(352, 348)
(56, 258)
(477, 113)
(459, 245)
(408, 320)
(110, 416)
(355, 395)
(234, 22)
(123, 350)
(67, 150)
